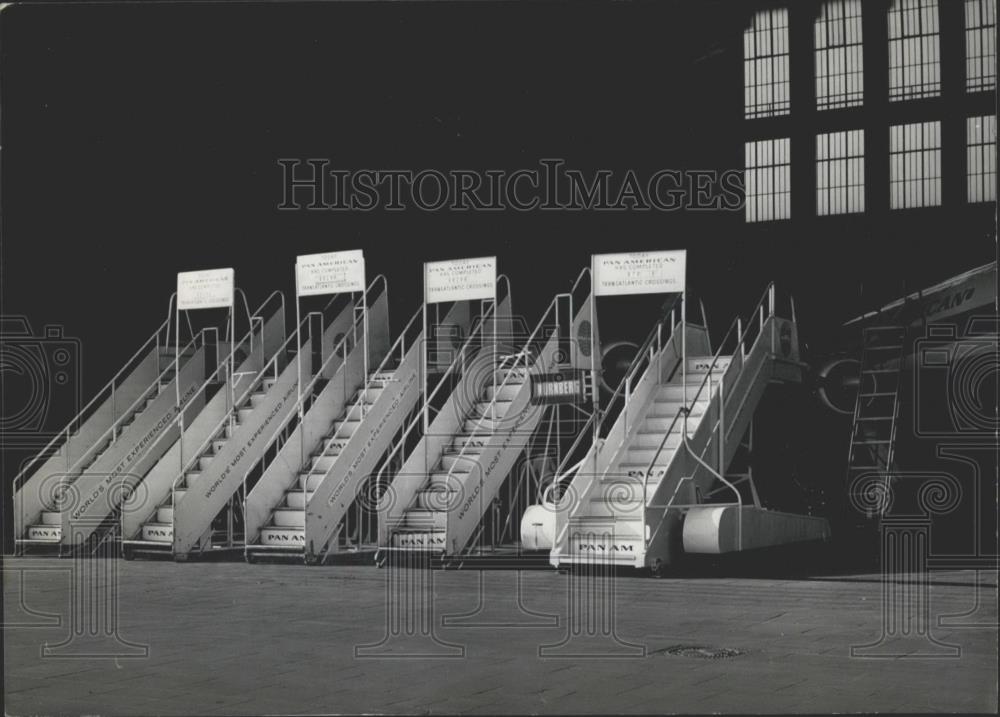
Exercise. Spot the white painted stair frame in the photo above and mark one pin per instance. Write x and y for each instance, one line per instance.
(326, 409)
(192, 515)
(193, 427)
(733, 402)
(216, 472)
(327, 506)
(99, 489)
(260, 502)
(401, 492)
(639, 388)
(80, 437)
(503, 447)
(48, 525)
(744, 380)
(499, 445)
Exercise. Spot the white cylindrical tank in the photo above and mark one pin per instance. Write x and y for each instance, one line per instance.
(538, 527)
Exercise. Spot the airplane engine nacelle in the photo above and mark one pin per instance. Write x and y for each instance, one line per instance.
(837, 384)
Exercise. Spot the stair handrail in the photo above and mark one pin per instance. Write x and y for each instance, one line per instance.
(643, 358)
(220, 368)
(48, 451)
(359, 400)
(113, 429)
(306, 393)
(418, 419)
(270, 367)
(737, 326)
(524, 353)
(684, 411)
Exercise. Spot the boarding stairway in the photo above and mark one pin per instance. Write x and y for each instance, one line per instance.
(67, 492)
(871, 456)
(658, 484)
(450, 479)
(189, 506)
(305, 504)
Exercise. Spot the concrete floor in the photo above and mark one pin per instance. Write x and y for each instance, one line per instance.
(230, 638)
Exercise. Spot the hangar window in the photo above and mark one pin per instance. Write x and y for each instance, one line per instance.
(980, 45)
(765, 65)
(981, 150)
(839, 55)
(768, 180)
(840, 172)
(914, 50)
(915, 165)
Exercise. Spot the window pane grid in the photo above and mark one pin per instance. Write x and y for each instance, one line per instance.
(840, 172)
(839, 55)
(768, 179)
(980, 45)
(765, 65)
(914, 50)
(981, 155)
(915, 165)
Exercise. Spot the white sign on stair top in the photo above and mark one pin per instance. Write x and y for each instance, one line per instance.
(208, 289)
(333, 272)
(640, 272)
(460, 279)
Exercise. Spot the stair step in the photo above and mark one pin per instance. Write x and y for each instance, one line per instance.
(288, 518)
(486, 408)
(699, 365)
(669, 409)
(422, 519)
(369, 395)
(505, 392)
(447, 479)
(419, 540)
(51, 517)
(438, 498)
(460, 462)
(651, 440)
(347, 428)
(296, 499)
(514, 376)
(356, 412)
(626, 471)
(158, 532)
(674, 392)
(243, 414)
(272, 535)
(312, 480)
(481, 426)
(643, 456)
(165, 514)
(661, 424)
(323, 463)
(47, 533)
(620, 527)
(474, 442)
